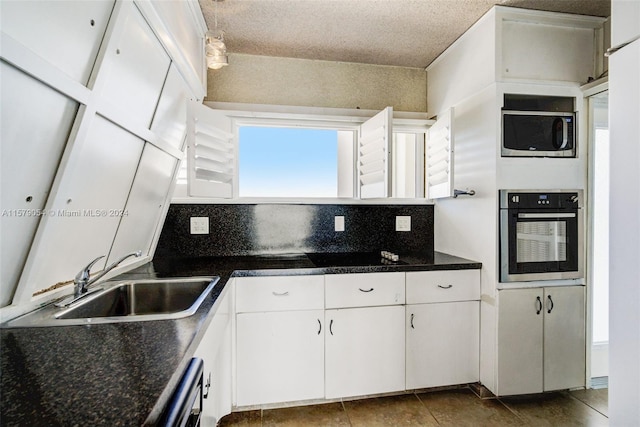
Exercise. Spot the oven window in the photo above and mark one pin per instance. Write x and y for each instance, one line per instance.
(541, 241)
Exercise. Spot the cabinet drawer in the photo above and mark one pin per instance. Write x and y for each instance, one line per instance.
(278, 293)
(443, 286)
(364, 289)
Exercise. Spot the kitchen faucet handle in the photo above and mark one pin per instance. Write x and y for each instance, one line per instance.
(85, 273)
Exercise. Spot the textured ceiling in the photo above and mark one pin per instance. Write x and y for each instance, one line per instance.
(408, 33)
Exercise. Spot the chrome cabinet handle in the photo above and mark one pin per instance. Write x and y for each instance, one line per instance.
(445, 287)
(283, 294)
(412, 327)
(551, 304)
(539, 302)
(331, 327)
(365, 290)
(319, 327)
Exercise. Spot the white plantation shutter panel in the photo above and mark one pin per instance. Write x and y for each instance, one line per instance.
(210, 153)
(439, 157)
(374, 156)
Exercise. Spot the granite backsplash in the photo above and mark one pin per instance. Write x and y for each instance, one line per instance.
(270, 229)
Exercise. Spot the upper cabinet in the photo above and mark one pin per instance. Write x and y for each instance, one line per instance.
(134, 67)
(29, 163)
(625, 16)
(65, 34)
(510, 45)
(97, 93)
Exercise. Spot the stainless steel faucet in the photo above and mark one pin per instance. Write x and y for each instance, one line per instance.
(83, 279)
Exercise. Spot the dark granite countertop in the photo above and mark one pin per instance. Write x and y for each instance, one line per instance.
(299, 264)
(122, 374)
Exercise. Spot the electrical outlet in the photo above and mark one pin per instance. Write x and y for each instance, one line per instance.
(339, 223)
(199, 225)
(403, 223)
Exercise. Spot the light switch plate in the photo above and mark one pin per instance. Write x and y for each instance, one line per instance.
(403, 223)
(199, 225)
(339, 223)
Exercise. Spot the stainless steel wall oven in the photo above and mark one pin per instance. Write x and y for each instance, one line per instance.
(541, 235)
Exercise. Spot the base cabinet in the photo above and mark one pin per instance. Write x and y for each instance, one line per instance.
(541, 339)
(364, 351)
(215, 350)
(442, 344)
(280, 357)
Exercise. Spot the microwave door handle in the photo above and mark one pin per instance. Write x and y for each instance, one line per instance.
(565, 134)
(560, 133)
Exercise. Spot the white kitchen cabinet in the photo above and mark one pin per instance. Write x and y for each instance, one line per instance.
(91, 195)
(145, 204)
(279, 293)
(29, 159)
(364, 351)
(443, 345)
(67, 34)
(541, 334)
(624, 208)
(364, 289)
(215, 351)
(134, 68)
(564, 338)
(96, 71)
(170, 118)
(442, 286)
(443, 328)
(279, 357)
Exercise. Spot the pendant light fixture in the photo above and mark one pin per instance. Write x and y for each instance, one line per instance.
(215, 49)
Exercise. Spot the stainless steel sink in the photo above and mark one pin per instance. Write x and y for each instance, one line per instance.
(126, 301)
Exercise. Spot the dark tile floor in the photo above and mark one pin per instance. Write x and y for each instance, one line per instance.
(458, 407)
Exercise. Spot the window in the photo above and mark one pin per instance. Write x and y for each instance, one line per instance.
(250, 155)
(287, 162)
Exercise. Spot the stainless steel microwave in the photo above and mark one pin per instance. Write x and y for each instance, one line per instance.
(538, 134)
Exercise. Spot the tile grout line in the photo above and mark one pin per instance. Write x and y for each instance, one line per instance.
(425, 407)
(587, 404)
(344, 408)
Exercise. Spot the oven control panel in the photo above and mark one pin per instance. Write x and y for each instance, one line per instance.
(539, 200)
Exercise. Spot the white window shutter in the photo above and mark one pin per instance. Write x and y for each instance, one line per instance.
(211, 152)
(439, 157)
(374, 156)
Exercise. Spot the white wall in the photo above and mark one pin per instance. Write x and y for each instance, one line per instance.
(256, 79)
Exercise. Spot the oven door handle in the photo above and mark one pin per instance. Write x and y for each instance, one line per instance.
(546, 215)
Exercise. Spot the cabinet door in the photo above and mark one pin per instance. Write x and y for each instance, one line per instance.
(134, 68)
(66, 34)
(215, 350)
(29, 157)
(364, 351)
(145, 204)
(520, 329)
(443, 344)
(564, 338)
(280, 357)
(170, 118)
(83, 220)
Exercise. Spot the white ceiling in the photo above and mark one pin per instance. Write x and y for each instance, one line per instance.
(408, 33)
